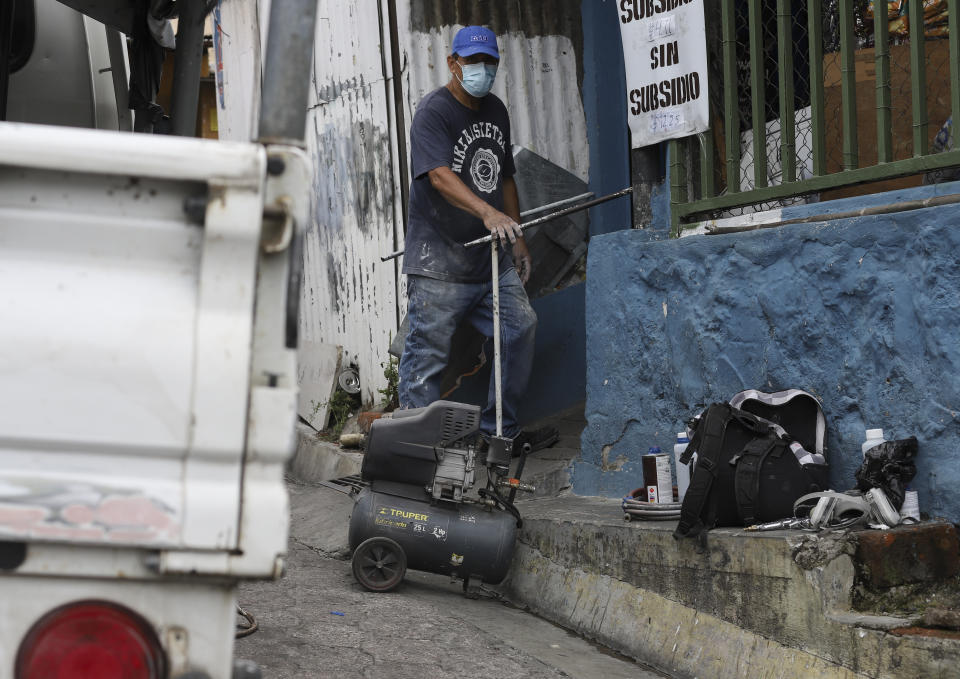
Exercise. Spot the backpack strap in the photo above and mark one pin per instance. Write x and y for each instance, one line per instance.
(780, 398)
(747, 475)
(707, 441)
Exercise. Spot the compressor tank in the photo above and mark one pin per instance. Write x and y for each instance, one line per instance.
(465, 540)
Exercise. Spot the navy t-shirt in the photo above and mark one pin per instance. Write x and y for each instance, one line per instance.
(476, 146)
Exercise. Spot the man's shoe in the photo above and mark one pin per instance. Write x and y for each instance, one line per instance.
(536, 439)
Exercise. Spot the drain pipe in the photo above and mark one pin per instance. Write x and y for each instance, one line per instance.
(286, 72)
(186, 67)
(892, 208)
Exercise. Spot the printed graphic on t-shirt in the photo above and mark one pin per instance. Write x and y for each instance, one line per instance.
(485, 170)
(475, 144)
(485, 166)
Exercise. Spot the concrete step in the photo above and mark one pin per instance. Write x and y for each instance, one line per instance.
(318, 460)
(738, 604)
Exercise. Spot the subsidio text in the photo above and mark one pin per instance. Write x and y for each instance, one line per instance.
(666, 93)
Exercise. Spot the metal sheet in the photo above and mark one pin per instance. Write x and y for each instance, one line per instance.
(237, 45)
(349, 296)
(128, 333)
(541, 67)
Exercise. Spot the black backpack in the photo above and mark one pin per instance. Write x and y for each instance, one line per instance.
(753, 461)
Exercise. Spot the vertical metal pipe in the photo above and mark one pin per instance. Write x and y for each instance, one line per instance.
(758, 95)
(708, 187)
(396, 69)
(881, 51)
(953, 20)
(815, 40)
(186, 67)
(286, 72)
(918, 77)
(848, 86)
(731, 109)
(677, 186)
(788, 145)
(6, 46)
(495, 278)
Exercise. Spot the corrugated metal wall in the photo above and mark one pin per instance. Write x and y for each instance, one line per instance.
(350, 297)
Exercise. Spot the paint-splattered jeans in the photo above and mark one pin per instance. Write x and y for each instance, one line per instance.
(435, 309)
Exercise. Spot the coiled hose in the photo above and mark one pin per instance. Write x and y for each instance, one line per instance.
(641, 510)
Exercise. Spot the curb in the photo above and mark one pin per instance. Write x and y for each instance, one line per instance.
(744, 606)
(316, 460)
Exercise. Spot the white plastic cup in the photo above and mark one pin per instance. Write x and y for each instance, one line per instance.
(911, 506)
(874, 438)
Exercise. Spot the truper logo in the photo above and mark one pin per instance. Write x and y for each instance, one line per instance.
(400, 513)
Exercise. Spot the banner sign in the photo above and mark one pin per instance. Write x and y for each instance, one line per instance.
(665, 54)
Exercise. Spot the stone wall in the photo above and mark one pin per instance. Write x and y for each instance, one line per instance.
(864, 313)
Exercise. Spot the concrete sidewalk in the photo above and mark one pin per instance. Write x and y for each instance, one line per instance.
(779, 604)
(318, 622)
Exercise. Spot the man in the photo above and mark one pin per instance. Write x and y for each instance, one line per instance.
(462, 189)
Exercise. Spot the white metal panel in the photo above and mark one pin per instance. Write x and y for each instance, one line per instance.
(237, 43)
(146, 155)
(126, 347)
(221, 368)
(349, 295)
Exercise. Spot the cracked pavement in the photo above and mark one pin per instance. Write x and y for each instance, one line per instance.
(318, 622)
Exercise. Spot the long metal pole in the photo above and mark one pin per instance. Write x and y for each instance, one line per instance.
(186, 67)
(286, 72)
(495, 275)
(538, 220)
(555, 205)
(559, 213)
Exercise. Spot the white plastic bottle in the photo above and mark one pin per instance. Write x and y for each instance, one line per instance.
(683, 471)
(874, 438)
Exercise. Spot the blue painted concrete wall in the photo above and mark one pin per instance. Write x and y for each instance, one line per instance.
(604, 103)
(864, 313)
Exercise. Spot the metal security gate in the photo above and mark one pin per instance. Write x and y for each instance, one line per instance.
(794, 82)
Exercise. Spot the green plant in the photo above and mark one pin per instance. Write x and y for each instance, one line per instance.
(390, 395)
(340, 407)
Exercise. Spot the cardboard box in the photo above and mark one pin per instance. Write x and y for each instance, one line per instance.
(901, 110)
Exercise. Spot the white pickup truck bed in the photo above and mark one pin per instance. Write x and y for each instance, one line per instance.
(147, 381)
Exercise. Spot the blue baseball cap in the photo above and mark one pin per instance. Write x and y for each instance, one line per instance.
(475, 40)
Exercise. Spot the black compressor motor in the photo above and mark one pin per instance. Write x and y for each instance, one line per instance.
(417, 511)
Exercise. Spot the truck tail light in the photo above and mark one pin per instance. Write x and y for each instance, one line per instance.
(91, 639)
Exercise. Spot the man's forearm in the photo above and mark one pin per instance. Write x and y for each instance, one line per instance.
(458, 194)
(454, 191)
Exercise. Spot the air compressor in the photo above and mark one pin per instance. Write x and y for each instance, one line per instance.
(418, 512)
(421, 464)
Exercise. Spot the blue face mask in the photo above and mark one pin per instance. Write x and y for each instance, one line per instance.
(478, 78)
